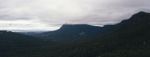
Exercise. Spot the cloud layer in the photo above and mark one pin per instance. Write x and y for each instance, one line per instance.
(58, 12)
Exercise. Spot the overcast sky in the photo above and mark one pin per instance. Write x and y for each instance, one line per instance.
(51, 14)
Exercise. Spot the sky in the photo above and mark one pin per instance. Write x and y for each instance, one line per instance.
(46, 15)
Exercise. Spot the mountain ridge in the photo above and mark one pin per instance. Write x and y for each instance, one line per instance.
(130, 38)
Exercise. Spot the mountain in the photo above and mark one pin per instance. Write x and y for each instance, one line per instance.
(130, 38)
(72, 33)
(76, 33)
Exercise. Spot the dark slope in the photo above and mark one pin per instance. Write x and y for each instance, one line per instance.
(131, 39)
(18, 45)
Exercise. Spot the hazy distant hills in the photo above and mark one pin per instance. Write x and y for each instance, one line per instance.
(130, 38)
(8, 37)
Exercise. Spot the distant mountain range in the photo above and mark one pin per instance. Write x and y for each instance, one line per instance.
(81, 31)
(130, 38)
(72, 33)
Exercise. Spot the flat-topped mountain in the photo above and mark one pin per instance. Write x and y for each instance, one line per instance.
(72, 32)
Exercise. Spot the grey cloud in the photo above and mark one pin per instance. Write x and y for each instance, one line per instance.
(53, 12)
